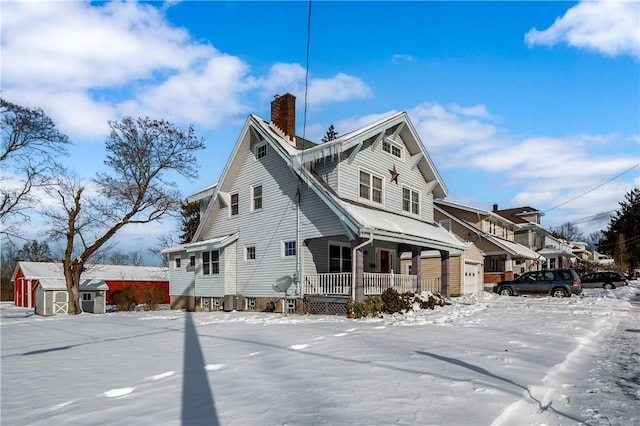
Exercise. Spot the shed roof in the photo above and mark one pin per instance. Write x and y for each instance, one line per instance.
(60, 284)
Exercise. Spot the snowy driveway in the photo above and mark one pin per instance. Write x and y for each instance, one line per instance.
(484, 360)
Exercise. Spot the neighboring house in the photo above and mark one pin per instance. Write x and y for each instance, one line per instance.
(323, 222)
(493, 237)
(554, 252)
(27, 275)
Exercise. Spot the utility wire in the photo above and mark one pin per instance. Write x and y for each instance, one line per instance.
(306, 77)
(593, 189)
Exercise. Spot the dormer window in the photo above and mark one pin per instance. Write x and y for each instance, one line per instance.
(392, 149)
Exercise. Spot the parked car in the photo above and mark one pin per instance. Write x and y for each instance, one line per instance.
(554, 282)
(607, 279)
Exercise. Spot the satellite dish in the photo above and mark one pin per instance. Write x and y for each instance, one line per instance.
(282, 284)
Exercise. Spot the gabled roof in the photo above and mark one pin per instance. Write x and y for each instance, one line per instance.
(353, 217)
(515, 214)
(514, 249)
(471, 209)
(39, 270)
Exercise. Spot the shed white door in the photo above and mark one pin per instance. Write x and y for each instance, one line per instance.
(473, 279)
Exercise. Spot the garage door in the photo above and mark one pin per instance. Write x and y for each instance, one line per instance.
(473, 279)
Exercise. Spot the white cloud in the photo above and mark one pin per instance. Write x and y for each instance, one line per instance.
(85, 64)
(608, 27)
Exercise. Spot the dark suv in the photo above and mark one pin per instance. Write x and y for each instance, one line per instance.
(607, 279)
(554, 282)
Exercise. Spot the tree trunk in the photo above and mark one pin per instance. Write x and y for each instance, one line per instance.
(72, 272)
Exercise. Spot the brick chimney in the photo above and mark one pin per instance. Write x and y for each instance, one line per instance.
(495, 207)
(283, 114)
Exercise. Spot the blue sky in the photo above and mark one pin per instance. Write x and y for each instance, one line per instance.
(518, 103)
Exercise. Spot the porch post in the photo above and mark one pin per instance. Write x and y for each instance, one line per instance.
(357, 280)
(416, 265)
(444, 272)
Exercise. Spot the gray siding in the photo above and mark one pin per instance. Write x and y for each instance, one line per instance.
(378, 162)
(265, 229)
(180, 279)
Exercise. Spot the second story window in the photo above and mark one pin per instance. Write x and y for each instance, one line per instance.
(370, 187)
(492, 227)
(256, 197)
(410, 201)
(178, 261)
(234, 204)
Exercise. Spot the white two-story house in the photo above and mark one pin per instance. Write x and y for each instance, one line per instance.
(298, 226)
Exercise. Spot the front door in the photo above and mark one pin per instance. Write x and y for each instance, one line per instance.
(385, 261)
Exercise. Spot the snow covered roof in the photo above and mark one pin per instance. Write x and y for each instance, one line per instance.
(39, 270)
(211, 244)
(60, 284)
(390, 226)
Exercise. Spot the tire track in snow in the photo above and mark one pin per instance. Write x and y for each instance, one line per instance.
(537, 400)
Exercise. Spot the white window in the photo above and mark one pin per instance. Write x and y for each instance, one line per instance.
(211, 262)
(261, 150)
(446, 224)
(178, 262)
(250, 253)
(256, 197)
(234, 204)
(339, 258)
(410, 201)
(88, 297)
(505, 232)
(289, 248)
(192, 261)
(492, 226)
(370, 187)
(392, 149)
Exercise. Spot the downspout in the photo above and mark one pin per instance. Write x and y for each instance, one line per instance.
(298, 246)
(354, 264)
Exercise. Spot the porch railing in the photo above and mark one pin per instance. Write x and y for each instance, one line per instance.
(376, 283)
(331, 284)
(339, 284)
(434, 285)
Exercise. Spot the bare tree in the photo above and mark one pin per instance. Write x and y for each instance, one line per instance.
(29, 149)
(139, 153)
(568, 231)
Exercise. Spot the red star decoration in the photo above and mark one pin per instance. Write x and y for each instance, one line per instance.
(394, 174)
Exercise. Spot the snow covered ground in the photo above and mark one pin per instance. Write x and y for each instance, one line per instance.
(484, 360)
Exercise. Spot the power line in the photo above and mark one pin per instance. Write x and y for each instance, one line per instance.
(593, 189)
(306, 77)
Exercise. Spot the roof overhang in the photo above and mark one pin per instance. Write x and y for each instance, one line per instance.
(211, 244)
